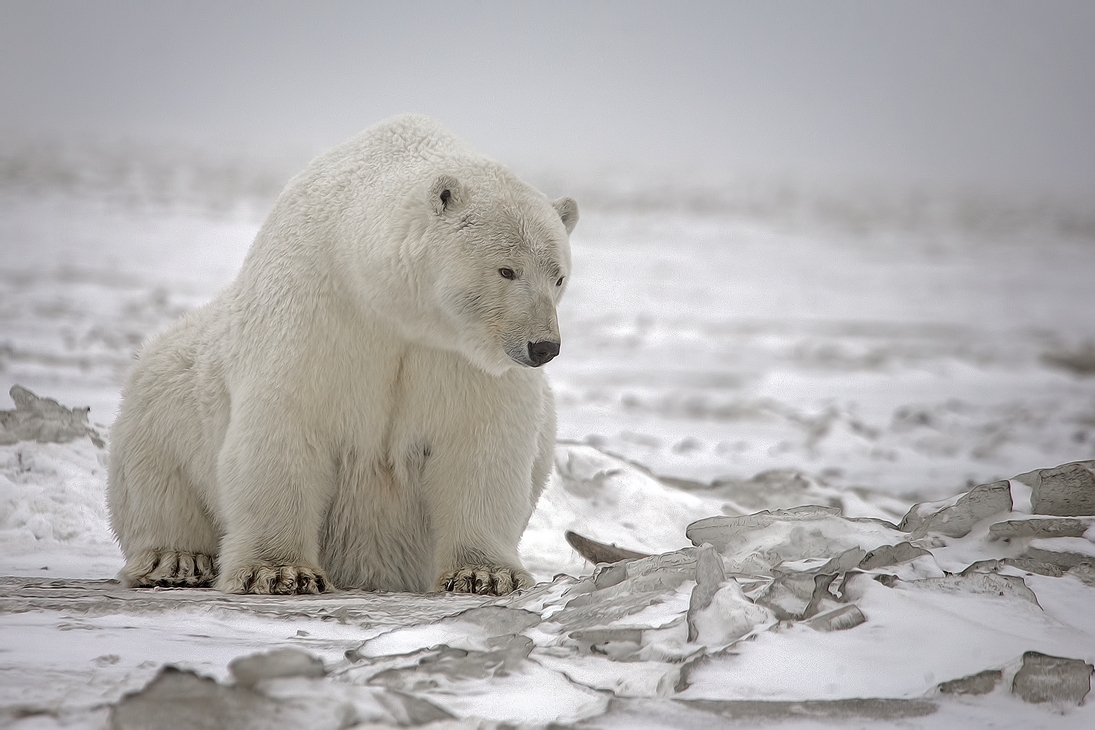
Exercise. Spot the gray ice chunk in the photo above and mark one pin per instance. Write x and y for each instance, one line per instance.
(1041, 527)
(724, 532)
(956, 520)
(838, 619)
(249, 670)
(975, 684)
(887, 555)
(1045, 678)
(1066, 491)
(43, 420)
(178, 698)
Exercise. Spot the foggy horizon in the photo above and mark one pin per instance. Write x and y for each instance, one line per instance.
(998, 97)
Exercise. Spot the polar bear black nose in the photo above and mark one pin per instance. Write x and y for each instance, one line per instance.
(541, 352)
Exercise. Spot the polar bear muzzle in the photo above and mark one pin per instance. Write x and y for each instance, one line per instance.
(542, 352)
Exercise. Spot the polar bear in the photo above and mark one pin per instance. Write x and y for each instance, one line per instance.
(363, 406)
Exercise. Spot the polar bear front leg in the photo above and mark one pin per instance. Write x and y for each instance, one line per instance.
(275, 579)
(485, 580)
(480, 507)
(274, 488)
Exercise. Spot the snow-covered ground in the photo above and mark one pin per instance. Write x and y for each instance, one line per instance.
(721, 356)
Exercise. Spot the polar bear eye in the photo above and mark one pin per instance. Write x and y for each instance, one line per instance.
(507, 273)
(560, 282)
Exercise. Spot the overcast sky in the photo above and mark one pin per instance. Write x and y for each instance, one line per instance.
(990, 94)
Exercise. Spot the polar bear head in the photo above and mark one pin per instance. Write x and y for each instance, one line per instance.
(501, 260)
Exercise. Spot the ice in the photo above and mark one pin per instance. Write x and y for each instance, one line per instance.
(1052, 679)
(760, 543)
(43, 420)
(811, 622)
(1066, 490)
(976, 684)
(182, 698)
(248, 671)
(752, 399)
(957, 519)
(727, 618)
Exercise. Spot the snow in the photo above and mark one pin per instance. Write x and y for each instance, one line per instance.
(716, 363)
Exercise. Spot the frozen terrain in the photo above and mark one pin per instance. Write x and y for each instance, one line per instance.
(724, 353)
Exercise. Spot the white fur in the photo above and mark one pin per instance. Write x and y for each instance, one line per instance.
(359, 401)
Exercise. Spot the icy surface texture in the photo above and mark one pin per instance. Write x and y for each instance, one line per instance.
(956, 520)
(720, 360)
(1066, 490)
(43, 420)
(775, 616)
(1052, 679)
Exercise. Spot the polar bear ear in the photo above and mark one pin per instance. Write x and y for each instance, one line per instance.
(567, 208)
(446, 194)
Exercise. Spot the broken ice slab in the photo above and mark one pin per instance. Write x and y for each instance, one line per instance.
(710, 575)
(1063, 552)
(718, 612)
(622, 590)
(1046, 556)
(1045, 678)
(1041, 527)
(178, 698)
(794, 596)
(957, 519)
(1067, 490)
(790, 597)
(728, 618)
(249, 670)
(43, 420)
(724, 532)
(498, 686)
(757, 544)
(888, 555)
(429, 667)
(1060, 559)
(976, 684)
(1026, 565)
(847, 560)
(838, 619)
(474, 629)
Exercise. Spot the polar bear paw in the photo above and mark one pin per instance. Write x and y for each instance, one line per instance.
(170, 569)
(484, 580)
(282, 580)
